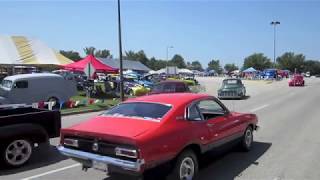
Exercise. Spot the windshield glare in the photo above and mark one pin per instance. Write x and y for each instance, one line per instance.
(6, 84)
(139, 110)
(232, 82)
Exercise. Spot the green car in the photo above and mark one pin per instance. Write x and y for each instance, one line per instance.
(232, 88)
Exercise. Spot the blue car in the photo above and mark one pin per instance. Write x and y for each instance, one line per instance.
(269, 74)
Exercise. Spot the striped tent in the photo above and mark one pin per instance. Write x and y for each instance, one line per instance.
(23, 50)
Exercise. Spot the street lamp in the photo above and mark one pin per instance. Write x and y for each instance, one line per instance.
(168, 47)
(274, 24)
(120, 54)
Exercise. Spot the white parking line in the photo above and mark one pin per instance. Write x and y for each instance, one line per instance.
(51, 172)
(259, 108)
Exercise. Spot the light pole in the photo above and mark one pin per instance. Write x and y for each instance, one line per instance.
(120, 54)
(274, 24)
(168, 47)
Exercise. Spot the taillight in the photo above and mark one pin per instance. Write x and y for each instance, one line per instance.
(125, 152)
(71, 142)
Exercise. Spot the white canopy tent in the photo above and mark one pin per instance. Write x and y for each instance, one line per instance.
(23, 50)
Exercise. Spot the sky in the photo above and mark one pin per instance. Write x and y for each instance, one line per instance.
(197, 29)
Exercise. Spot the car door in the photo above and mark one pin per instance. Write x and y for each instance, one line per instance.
(217, 119)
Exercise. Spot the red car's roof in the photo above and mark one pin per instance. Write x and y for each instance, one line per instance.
(169, 98)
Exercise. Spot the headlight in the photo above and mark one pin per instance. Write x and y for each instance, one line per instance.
(130, 153)
(71, 142)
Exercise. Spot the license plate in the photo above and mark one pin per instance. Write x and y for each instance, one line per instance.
(100, 166)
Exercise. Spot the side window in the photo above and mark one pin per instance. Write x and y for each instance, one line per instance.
(21, 84)
(193, 113)
(210, 106)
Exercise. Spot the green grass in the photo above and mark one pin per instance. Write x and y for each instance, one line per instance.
(106, 104)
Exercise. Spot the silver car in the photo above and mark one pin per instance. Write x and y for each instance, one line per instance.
(33, 88)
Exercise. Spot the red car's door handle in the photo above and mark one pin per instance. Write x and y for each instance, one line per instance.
(210, 124)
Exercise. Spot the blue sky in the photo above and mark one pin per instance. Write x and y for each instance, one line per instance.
(198, 30)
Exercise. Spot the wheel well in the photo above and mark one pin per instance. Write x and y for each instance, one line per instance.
(195, 148)
(54, 97)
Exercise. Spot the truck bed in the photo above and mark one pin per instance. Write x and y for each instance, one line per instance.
(49, 120)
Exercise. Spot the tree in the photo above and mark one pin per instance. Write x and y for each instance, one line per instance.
(73, 55)
(312, 66)
(257, 61)
(155, 64)
(89, 50)
(139, 56)
(215, 65)
(291, 61)
(103, 53)
(195, 65)
(130, 55)
(230, 67)
(177, 60)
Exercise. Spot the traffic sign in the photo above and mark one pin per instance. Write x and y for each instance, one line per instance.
(89, 70)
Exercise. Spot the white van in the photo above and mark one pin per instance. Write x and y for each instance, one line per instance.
(32, 88)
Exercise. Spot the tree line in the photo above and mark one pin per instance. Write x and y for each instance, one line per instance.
(288, 60)
(152, 63)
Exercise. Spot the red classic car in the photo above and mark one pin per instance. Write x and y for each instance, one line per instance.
(145, 132)
(296, 80)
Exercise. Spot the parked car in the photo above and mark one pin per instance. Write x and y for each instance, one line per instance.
(283, 73)
(145, 132)
(31, 88)
(21, 128)
(170, 86)
(269, 74)
(308, 74)
(296, 80)
(232, 88)
(135, 89)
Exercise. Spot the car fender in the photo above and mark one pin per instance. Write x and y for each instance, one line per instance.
(33, 132)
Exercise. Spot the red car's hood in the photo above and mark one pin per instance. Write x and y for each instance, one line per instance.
(110, 127)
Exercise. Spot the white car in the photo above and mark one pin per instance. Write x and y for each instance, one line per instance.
(307, 74)
(33, 88)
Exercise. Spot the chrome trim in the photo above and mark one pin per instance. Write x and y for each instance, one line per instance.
(127, 165)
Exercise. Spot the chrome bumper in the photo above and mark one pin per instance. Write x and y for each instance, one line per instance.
(124, 164)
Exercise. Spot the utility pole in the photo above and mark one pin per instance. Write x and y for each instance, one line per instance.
(120, 54)
(274, 24)
(168, 47)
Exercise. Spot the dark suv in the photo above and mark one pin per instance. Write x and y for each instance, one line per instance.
(170, 86)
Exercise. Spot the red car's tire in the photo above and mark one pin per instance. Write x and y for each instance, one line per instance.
(186, 166)
(247, 139)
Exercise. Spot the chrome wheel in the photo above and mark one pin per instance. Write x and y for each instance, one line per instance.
(187, 169)
(248, 137)
(18, 152)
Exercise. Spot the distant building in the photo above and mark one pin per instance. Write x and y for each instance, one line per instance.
(127, 64)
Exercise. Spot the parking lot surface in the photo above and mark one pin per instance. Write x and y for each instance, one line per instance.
(287, 146)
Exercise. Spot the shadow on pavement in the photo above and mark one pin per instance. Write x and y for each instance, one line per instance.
(223, 163)
(243, 98)
(42, 156)
(228, 165)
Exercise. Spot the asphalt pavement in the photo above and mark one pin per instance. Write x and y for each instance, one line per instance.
(287, 146)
